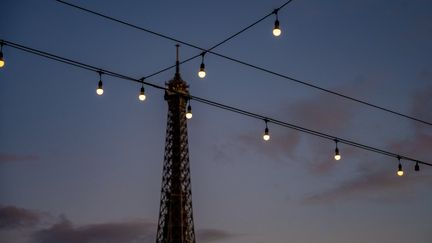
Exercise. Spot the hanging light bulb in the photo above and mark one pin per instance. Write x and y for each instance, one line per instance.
(2, 62)
(202, 72)
(400, 171)
(266, 135)
(189, 111)
(100, 90)
(417, 167)
(276, 30)
(337, 155)
(142, 96)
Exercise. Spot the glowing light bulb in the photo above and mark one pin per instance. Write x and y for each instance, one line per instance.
(400, 171)
(276, 30)
(189, 112)
(266, 135)
(202, 72)
(142, 96)
(337, 155)
(2, 62)
(99, 90)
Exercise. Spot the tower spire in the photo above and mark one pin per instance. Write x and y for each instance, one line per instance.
(177, 60)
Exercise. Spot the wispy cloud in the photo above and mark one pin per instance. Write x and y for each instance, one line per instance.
(123, 232)
(380, 186)
(416, 146)
(211, 235)
(8, 157)
(20, 225)
(287, 144)
(12, 217)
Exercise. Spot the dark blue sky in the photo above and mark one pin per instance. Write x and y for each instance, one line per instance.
(76, 167)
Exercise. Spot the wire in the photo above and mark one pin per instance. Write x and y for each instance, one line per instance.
(172, 38)
(212, 103)
(249, 26)
(245, 63)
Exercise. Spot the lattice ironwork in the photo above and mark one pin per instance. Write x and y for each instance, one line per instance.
(175, 215)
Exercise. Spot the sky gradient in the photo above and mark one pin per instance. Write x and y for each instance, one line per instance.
(77, 167)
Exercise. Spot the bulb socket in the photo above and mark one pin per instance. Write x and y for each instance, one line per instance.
(276, 25)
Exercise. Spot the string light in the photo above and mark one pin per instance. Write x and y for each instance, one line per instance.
(2, 62)
(417, 167)
(240, 61)
(400, 171)
(208, 102)
(337, 155)
(202, 72)
(266, 135)
(276, 30)
(100, 90)
(189, 111)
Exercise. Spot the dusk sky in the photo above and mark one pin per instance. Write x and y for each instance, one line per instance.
(78, 167)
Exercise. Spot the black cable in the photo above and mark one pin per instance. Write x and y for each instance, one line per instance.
(168, 68)
(211, 48)
(171, 38)
(211, 103)
(248, 27)
(304, 130)
(248, 64)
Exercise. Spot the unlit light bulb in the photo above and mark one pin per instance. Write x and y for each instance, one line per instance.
(417, 167)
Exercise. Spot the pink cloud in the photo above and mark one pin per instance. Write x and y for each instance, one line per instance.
(381, 185)
(12, 217)
(7, 158)
(417, 146)
(40, 230)
(211, 235)
(65, 232)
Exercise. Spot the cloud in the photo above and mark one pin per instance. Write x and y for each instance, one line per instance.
(29, 226)
(322, 112)
(416, 146)
(380, 185)
(422, 105)
(279, 147)
(123, 232)
(420, 143)
(15, 218)
(211, 235)
(381, 179)
(7, 158)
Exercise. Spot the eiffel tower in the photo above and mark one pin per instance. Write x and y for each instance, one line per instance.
(175, 215)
